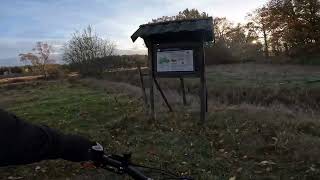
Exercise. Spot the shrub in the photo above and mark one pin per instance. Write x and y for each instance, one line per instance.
(313, 60)
(219, 54)
(14, 69)
(56, 71)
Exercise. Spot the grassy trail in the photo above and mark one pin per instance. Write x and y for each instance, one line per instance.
(243, 141)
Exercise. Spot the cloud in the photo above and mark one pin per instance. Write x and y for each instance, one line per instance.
(121, 26)
(26, 22)
(11, 47)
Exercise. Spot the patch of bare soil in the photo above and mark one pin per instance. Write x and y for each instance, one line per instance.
(19, 79)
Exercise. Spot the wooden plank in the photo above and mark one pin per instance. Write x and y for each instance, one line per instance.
(178, 74)
(180, 45)
(184, 98)
(163, 96)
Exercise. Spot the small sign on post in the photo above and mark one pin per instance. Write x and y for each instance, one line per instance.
(176, 50)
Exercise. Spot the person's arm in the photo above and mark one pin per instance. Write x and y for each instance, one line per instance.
(24, 143)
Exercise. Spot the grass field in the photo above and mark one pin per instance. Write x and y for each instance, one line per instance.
(259, 84)
(242, 140)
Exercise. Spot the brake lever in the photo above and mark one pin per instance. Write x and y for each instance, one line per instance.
(125, 159)
(114, 170)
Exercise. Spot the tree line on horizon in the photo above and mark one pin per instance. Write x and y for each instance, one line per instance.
(280, 30)
(288, 29)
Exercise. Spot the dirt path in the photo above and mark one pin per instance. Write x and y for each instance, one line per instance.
(20, 79)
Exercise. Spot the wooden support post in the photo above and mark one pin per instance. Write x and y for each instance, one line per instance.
(144, 94)
(151, 79)
(183, 91)
(203, 98)
(162, 94)
(203, 89)
(206, 98)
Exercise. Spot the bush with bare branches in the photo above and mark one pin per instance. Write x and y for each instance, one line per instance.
(85, 50)
(39, 58)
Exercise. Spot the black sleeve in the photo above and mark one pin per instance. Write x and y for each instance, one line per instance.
(23, 143)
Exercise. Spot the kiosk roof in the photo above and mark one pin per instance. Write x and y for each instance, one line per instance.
(203, 28)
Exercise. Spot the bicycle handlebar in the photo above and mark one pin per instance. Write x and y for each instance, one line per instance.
(129, 169)
(123, 165)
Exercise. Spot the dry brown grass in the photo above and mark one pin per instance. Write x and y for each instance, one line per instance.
(173, 96)
(250, 70)
(258, 84)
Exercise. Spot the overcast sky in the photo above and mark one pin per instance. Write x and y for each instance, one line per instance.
(23, 22)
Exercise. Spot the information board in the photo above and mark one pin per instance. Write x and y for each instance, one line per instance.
(175, 61)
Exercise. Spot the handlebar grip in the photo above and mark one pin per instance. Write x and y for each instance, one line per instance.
(136, 174)
(130, 170)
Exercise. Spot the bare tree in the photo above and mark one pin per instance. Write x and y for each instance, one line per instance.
(85, 50)
(221, 28)
(39, 58)
(259, 19)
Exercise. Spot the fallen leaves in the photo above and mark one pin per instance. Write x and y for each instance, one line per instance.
(221, 150)
(266, 163)
(184, 163)
(37, 168)
(268, 169)
(239, 170)
(312, 169)
(40, 169)
(88, 165)
(14, 178)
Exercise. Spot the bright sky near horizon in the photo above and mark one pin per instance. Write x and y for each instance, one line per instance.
(23, 22)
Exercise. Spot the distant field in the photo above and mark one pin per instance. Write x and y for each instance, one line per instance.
(264, 75)
(243, 141)
(259, 84)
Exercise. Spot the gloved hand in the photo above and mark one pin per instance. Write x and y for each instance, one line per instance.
(96, 153)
